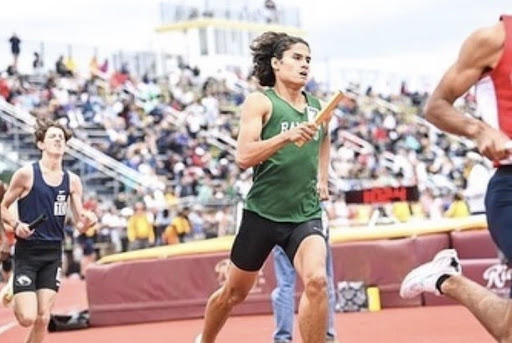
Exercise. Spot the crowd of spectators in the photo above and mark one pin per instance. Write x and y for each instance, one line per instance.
(182, 128)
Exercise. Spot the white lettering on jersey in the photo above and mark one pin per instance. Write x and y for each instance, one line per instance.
(285, 126)
(60, 206)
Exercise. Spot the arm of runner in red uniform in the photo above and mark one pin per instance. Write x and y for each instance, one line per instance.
(479, 54)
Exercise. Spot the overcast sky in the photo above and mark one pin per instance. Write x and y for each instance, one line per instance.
(414, 34)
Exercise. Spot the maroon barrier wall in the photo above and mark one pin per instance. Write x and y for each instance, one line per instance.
(473, 244)
(384, 263)
(153, 290)
(178, 287)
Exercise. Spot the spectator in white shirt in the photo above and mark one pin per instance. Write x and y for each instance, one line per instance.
(476, 183)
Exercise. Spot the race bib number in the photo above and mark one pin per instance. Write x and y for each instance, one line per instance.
(60, 206)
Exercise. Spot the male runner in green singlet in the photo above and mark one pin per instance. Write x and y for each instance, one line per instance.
(283, 205)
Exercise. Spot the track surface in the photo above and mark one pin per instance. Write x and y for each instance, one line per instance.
(434, 324)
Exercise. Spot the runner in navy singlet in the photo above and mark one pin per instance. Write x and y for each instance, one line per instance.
(41, 188)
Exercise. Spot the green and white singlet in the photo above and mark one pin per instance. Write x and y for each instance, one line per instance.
(285, 185)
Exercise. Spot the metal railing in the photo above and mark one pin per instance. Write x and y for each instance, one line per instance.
(84, 152)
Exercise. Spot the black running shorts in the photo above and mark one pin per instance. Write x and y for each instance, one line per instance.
(258, 236)
(37, 265)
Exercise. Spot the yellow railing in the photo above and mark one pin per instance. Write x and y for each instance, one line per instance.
(229, 24)
(338, 235)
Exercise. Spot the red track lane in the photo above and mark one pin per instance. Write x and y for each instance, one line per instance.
(437, 324)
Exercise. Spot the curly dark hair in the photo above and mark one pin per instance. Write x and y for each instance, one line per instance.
(44, 124)
(264, 47)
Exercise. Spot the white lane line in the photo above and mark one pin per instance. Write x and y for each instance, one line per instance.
(6, 327)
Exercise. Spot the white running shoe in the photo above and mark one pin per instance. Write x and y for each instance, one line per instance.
(199, 339)
(424, 278)
(7, 293)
